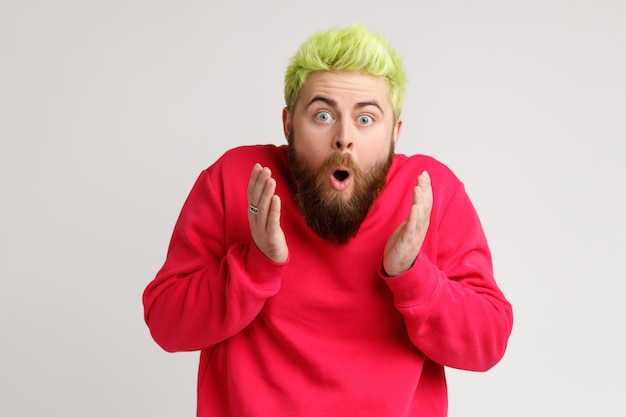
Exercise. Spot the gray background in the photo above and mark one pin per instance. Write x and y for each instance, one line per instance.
(109, 110)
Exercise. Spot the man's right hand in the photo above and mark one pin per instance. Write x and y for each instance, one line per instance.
(265, 227)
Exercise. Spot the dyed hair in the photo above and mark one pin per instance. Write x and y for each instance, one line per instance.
(353, 48)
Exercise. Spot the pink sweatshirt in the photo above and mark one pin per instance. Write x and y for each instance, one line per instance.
(326, 333)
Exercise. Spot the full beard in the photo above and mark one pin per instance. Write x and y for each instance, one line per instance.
(329, 212)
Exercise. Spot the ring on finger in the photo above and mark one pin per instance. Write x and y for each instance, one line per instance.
(253, 209)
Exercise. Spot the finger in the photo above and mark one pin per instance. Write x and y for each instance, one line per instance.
(254, 177)
(273, 220)
(427, 194)
(419, 215)
(258, 178)
(411, 221)
(420, 198)
(267, 192)
(423, 179)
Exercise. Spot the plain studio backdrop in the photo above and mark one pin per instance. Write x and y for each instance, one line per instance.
(110, 110)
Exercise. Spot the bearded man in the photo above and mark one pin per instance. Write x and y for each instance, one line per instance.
(334, 277)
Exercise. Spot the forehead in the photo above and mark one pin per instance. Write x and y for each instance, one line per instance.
(345, 87)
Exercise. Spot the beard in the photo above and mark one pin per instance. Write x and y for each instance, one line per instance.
(330, 213)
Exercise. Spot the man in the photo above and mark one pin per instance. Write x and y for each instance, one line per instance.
(332, 276)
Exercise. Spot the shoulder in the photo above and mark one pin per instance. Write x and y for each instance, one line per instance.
(231, 171)
(411, 166)
(449, 194)
(240, 160)
(263, 154)
(229, 174)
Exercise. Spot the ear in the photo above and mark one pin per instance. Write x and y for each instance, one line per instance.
(286, 122)
(396, 132)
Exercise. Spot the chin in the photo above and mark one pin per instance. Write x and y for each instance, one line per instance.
(339, 195)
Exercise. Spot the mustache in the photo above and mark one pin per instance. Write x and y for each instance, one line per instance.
(341, 159)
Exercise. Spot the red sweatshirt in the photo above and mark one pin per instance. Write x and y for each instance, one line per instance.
(326, 333)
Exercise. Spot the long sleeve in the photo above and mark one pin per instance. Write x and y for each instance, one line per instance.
(326, 333)
(209, 288)
(453, 310)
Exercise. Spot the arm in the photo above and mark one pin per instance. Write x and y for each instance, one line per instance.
(454, 311)
(207, 290)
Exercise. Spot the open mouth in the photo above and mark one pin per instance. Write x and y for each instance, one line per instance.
(341, 175)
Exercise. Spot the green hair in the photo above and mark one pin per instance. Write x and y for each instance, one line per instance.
(353, 48)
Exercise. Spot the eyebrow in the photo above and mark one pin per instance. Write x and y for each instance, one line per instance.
(333, 103)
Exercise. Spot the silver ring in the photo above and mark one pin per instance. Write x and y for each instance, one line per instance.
(253, 209)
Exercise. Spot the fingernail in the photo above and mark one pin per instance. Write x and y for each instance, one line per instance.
(424, 178)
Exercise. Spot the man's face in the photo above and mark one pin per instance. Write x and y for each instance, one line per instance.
(341, 138)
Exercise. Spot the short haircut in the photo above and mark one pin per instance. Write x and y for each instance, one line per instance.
(352, 48)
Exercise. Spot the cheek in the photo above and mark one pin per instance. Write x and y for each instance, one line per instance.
(373, 155)
(307, 151)
(311, 143)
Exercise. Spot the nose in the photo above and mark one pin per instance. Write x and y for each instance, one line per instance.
(344, 136)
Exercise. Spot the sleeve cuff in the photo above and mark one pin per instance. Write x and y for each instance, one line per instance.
(416, 285)
(263, 272)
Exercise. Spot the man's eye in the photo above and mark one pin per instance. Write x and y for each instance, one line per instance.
(323, 116)
(365, 120)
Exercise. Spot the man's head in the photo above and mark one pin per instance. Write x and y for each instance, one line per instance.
(351, 49)
(344, 91)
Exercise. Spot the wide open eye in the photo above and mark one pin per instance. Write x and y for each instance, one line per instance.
(323, 116)
(364, 120)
